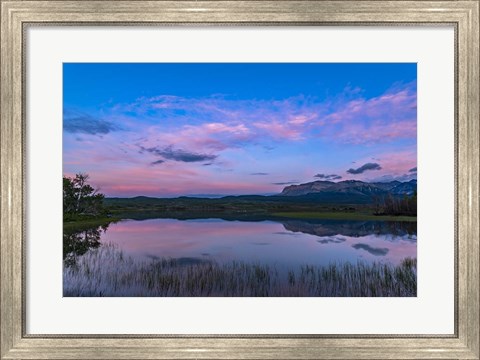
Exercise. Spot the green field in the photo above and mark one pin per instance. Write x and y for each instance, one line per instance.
(246, 207)
(251, 208)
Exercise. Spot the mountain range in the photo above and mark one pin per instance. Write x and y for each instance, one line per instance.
(351, 188)
(316, 192)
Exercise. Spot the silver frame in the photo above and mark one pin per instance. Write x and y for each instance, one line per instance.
(17, 15)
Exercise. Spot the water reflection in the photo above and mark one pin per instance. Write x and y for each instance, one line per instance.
(279, 242)
(322, 228)
(372, 250)
(77, 241)
(332, 239)
(287, 242)
(202, 247)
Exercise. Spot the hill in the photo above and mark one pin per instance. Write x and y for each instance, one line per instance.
(356, 191)
(301, 197)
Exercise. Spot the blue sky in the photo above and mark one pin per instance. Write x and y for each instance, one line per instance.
(179, 129)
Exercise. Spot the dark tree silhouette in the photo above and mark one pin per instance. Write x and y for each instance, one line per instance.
(390, 205)
(80, 198)
(77, 242)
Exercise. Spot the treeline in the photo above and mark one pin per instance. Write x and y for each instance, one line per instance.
(390, 205)
(80, 199)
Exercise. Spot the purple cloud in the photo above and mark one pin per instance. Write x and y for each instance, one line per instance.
(170, 153)
(364, 167)
(328, 176)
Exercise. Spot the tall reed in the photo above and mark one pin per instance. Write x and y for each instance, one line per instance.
(106, 271)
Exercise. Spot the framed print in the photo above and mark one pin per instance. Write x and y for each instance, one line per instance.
(211, 205)
(223, 179)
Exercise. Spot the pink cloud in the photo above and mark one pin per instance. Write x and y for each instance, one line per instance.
(301, 119)
(393, 165)
(380, 119)
(377, 132)
(223, 129)
(168, 179)
(280, 130)
(229, 123)
(343, 121)
(399, 162)
(215, 128)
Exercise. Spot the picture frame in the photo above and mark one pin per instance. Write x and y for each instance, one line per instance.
(16, 17)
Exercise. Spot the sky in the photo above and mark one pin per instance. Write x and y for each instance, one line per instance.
(176, 129)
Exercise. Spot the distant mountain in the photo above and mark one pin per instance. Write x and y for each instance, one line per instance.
(407, 188)
(351, 189)
(317, 192)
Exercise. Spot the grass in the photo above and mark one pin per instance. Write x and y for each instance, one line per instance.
(106, 271)
(228, 206)
(344, 216)
(86, 222)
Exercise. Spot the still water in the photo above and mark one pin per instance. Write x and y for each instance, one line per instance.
(286, 243)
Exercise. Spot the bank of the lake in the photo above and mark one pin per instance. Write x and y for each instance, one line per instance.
(345, 215)
(87, 222)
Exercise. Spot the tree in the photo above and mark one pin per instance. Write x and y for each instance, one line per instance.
(80, 198)
(407, 205)
(377, 205)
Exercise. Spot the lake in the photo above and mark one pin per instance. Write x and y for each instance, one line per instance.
(283, 243)
(261, 257)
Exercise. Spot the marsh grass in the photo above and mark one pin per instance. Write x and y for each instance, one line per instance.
(106, 271)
